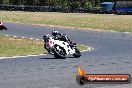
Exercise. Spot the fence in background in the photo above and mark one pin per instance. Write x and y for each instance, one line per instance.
(49, 9)
(59, 9)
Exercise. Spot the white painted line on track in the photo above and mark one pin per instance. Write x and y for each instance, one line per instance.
(22, 37)
(37, 39)
(121, 32)
(22, 56)
(82, 45)
(127, 32)
(31, 38)
(14, 36)
(88, 49)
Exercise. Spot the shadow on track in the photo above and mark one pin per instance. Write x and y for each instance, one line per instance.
(50, 58)
(54, 58)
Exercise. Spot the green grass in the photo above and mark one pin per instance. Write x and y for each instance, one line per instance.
(110, 22)
(10, 46)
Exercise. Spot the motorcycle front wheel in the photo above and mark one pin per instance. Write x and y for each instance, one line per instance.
(59, 52)
(77, 53)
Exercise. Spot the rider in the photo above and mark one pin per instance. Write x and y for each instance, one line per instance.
(62, 37)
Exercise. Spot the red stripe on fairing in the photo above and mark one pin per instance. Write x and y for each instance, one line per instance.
(49, 43)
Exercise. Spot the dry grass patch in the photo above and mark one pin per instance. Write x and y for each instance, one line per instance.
(112, 22)
(10, 46)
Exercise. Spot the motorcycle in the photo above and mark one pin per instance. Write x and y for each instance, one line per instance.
(60, 49)
(2, 26)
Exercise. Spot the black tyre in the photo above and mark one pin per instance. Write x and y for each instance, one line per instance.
(80, 80)
(5, 28)
(77, 54)
(59, 52)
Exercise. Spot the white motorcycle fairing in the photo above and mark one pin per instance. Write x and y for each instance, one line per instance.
(63, 44)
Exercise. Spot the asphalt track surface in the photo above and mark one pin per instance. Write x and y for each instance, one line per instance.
(112, 54)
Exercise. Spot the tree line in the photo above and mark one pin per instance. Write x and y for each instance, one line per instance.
(63, 3)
